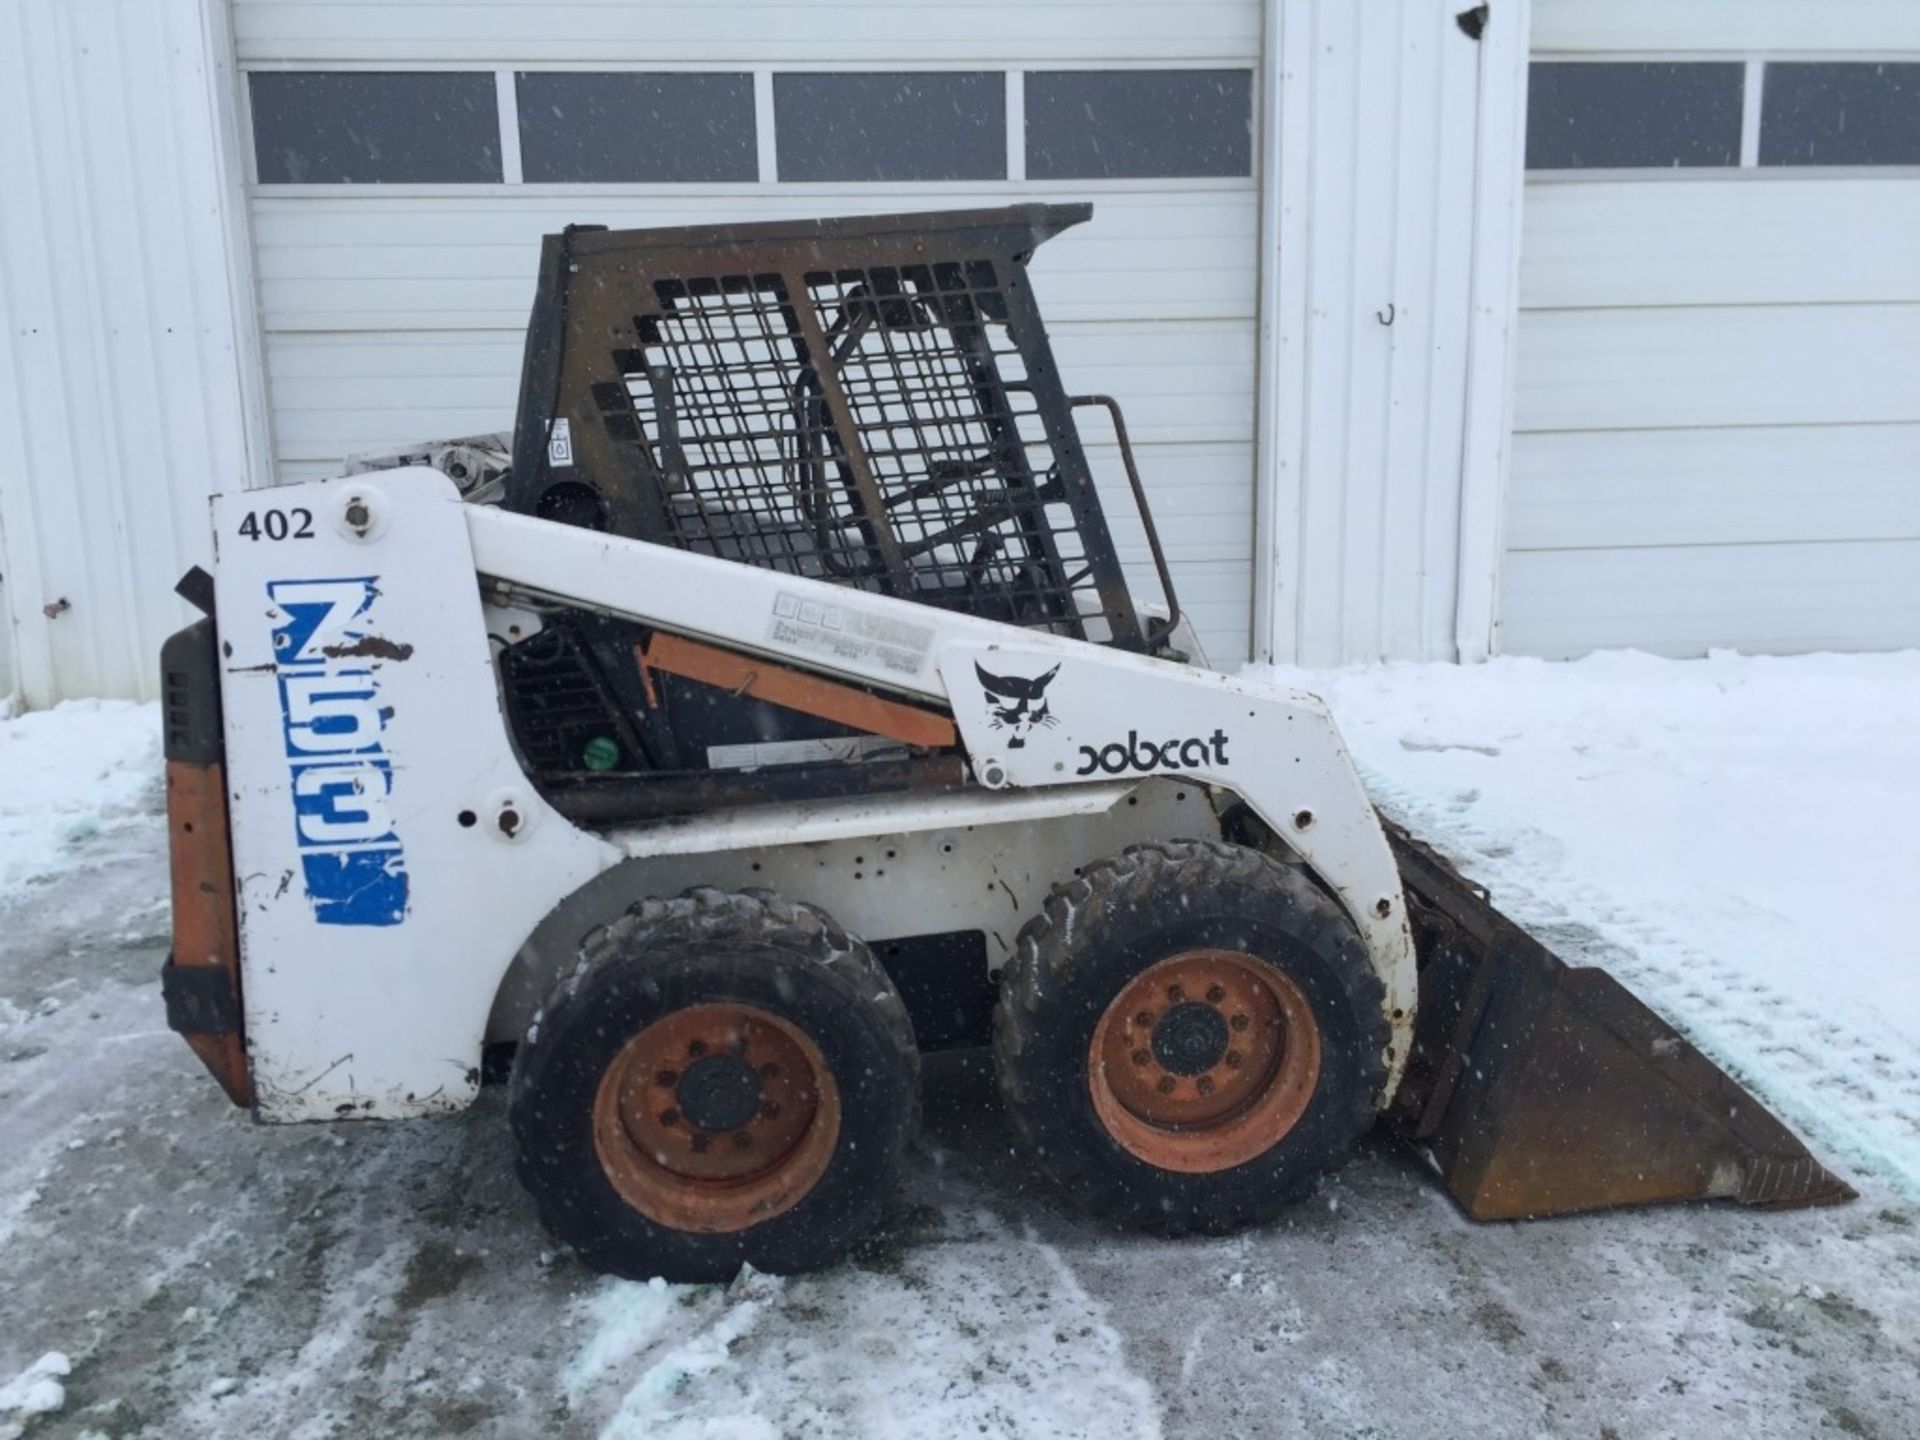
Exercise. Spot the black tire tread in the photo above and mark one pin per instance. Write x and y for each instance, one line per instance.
(703, 916)
(1106, 890)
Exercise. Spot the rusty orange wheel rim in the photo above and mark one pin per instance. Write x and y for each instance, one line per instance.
(716, 1118)
(1204, 1061)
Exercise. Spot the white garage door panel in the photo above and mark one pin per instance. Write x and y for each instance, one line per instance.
(1700, 487)
(395, 313)
(1177, 383)
(1797, 239)
(705, 31)
(1684, 600)
(1729, 26)
(1752, 365)
(341, 263)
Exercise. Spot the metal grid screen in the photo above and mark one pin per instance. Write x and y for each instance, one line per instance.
(916, 461)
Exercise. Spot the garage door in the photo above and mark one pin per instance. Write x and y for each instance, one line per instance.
(409, 156)
(1718, 405)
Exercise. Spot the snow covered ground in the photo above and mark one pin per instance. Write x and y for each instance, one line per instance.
(1732, 837)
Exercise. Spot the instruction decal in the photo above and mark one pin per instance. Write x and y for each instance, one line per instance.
(846, 633)
(325, 659)
(560, 444)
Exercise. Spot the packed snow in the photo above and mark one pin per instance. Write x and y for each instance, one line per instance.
(1730, 836)
(34, 1392)
(65, 775)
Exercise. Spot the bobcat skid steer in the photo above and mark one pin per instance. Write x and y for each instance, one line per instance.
(774, 709)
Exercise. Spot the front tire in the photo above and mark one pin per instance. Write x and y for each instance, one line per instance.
(1189, 1035)
(727, 1079)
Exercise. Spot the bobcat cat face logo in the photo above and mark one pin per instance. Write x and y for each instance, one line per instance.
(1017, 703)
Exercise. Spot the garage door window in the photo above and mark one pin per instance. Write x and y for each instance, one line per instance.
(1138, 124)
(1630, 115)
(582, 127)
(1840, 114)
(891, 126)
(319, 127)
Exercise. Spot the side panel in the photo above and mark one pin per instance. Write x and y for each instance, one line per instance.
(389, 855)
(1030, 718)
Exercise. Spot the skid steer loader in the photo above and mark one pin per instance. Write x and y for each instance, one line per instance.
(772, 708)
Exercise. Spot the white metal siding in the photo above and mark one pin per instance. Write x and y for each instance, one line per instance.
(1396, 191)
(396, 313)
(120, 389)
(1718, 404)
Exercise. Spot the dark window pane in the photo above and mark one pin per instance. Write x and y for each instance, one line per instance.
(1832, 114)
(1138, 124)
(579, 127)
(893, 126)
(1594, 116)
(338, 127)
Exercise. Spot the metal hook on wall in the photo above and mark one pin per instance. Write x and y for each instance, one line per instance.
(1385, 317)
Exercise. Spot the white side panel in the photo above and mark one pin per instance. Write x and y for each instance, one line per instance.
(1383, 201)
(388, 853)
(617, 32)
(120, 383)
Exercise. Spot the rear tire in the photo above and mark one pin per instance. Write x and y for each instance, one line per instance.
(726, 1079)
(1189, 1034)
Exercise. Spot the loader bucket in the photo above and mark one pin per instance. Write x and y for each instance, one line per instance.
(1539, 1088)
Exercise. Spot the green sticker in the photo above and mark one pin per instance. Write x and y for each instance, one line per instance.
(601, 753)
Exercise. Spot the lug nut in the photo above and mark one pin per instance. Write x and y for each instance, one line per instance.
(1176, 994)
(1216, 993)
(1240, 1022)
(1234, 1060)
(742, 1140)
(1141, 1057)
(668, 1078)
(669, 1118)
(696, 1048)
(700, 1142)
(770, 1110)
(1166, 1084)
(769, 1070)
(1205, 1085)
(1144, 1019)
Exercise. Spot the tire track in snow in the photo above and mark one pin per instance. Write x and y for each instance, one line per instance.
(1851, 1092)
(976, 1329)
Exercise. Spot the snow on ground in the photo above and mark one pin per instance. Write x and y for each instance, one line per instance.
(1729, 836)
(66, 774)
(1737, 834)
(979, 1330)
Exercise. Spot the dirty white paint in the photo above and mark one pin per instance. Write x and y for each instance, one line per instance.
(123, 367)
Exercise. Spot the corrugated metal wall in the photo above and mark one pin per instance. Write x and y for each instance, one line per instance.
(1393, 217)
(120, 381)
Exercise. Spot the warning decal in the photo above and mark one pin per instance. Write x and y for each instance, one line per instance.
(845, 633)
